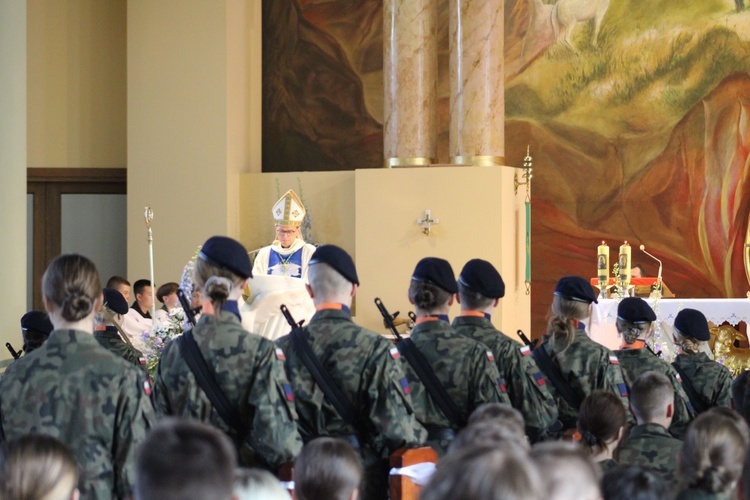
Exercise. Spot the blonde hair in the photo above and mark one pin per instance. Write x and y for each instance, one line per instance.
(689, 345)
(563, 313)
(216, 282)
(631, 331)
(37, 467)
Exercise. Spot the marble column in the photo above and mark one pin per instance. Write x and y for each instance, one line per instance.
(410, 82)
(477, 103)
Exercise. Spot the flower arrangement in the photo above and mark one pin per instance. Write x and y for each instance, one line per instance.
(163, 333)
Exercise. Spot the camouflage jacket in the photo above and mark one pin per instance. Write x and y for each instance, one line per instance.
(97, 404)
(651, 445)
(110, 339)
(526, 385)
(251, 376)
(711, 380)
(633, 362)
(361, 364)
(465, 367)
(585, 366)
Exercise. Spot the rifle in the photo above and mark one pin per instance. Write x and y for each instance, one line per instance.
(388, 318)
(526, 340)
(13, 352)
(189, 312)
(290, 319)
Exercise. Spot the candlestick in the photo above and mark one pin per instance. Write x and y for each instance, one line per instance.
(602, 266)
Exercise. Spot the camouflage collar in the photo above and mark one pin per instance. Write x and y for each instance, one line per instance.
(71, 336)
(471, 320)
(649, 430)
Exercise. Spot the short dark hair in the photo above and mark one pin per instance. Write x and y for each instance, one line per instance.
(115, 282)
(639, 266)
(471, 299)
(327, 468)
(166, 289)
(185, 459)
(139, 285)
(633, 482)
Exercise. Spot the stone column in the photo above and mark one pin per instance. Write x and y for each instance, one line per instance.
(410, 82)
(477, 130)
(13, 171)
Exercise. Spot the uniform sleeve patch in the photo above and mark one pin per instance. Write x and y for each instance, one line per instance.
(280, 354)
(146, 387)
(405, 385)
(394, 353)
(490, 356)
(623, 390)
(288, 392)
(501, 384)
(525, 350)
(613, 360)
(540, 380)
(142, 360)
(679, 379)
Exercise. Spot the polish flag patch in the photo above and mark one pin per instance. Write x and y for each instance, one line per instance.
(405, 386)
(525, 350)
(394, 353)
(490, 356)
(288, 392)
(613, 360)
(142, 361)
(147, 387)
(539, 378)
(679, 379)
(280, 354)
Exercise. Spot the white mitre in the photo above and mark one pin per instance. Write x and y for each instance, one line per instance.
(289, 210)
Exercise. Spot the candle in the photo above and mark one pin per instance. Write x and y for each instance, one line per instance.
(602, 264)
(624, 264)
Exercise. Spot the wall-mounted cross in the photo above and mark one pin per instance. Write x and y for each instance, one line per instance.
(426, 223)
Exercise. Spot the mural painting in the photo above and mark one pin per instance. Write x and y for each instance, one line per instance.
(637, 114)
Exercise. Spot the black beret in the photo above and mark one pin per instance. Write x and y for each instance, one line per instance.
(338, 259)
(692, 323)
(114, 300)
(635, 310)
(227, 253)
(436, 271)
(575, 288)
(37, 321)
(482, 277)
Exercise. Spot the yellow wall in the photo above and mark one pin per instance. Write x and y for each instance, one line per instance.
(12, 172)
(76, 83)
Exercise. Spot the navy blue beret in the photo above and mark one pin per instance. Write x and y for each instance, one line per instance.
(436, 271)
(36, 321)
(114, 300)
(227, 253)
(575, 288)
(338, 259)
(482, 277)
(635, 310)
(692, 323)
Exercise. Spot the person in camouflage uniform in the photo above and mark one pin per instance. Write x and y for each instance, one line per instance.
(72, 389)
(465, 368)
(649, 443)
(361, 363)
(247, 368)
(107, 334)
(582, 364)
(480, 288)
(710, 381)
(635, 324)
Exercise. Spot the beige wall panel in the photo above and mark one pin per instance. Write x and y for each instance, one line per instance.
(477, 219)
(12, 172)
(77, 83)
(177, 130)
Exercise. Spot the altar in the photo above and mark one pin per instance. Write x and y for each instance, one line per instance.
(603, 329)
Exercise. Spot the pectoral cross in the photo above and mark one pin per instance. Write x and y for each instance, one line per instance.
(426, 223)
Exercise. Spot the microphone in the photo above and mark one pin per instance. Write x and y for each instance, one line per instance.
(643, 249)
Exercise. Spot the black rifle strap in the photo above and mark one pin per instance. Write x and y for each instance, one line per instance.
(692, 394)
(207, 381)
(554, 375)
(434, 388)
(324, 380)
